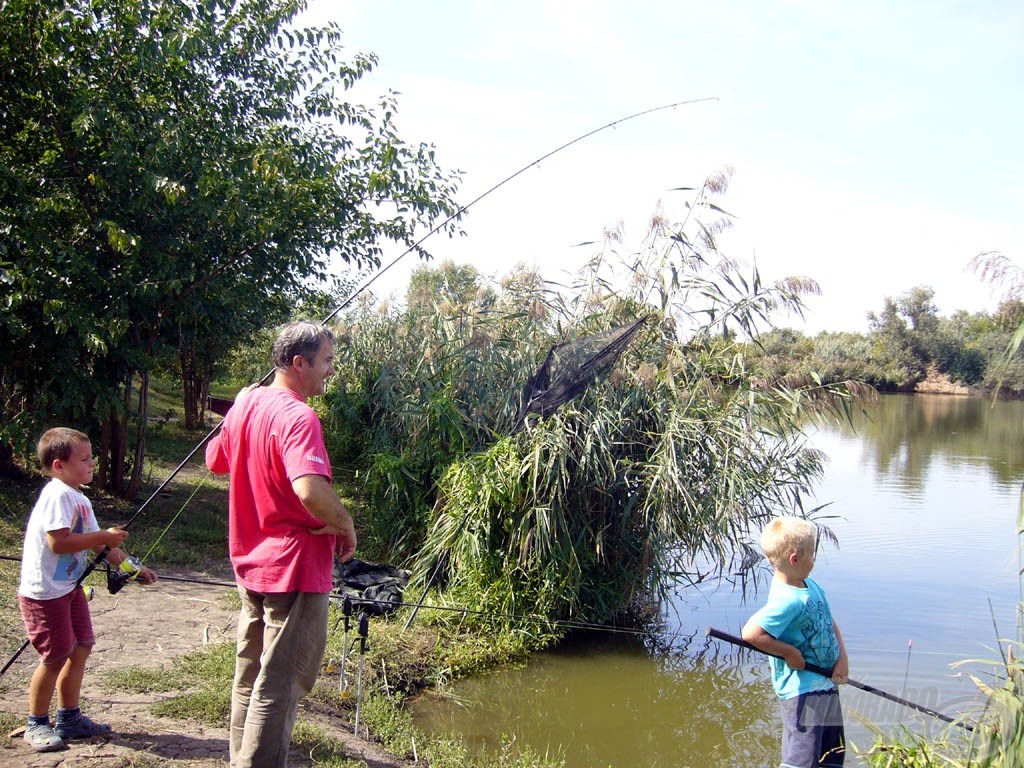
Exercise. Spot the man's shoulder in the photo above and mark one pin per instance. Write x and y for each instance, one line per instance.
(279, 403)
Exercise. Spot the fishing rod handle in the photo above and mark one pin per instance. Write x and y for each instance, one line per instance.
(720, 635)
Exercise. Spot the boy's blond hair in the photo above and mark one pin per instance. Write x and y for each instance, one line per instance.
(57, 443)
(785, 535)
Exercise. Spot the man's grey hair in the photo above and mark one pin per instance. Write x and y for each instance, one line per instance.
(299, 338)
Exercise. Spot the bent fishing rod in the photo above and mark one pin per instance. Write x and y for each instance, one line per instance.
(437, 228)
(720, 635)
(415, 245)
(463, 209)
(99, 558)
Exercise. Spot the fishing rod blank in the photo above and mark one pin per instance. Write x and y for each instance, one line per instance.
(463, 209)
(719, 635)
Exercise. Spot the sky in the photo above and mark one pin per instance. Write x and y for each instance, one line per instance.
(875, 145)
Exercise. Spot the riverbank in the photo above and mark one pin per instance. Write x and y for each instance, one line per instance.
(147, 628)
(936, 383)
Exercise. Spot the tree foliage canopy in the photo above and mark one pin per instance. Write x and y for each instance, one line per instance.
(173, 173)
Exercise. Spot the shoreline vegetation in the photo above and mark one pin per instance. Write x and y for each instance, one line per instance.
(578, 511)
(399, 664)
(936, 383)
(228, 180)
(572, 515)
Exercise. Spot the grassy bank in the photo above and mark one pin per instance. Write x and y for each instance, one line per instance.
(184, 526)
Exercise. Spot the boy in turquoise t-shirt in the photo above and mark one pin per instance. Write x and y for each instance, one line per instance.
(796, 626)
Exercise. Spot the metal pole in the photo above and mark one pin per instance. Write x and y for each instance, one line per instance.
(364, 631)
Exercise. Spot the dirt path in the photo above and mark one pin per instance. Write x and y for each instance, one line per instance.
(149, 626)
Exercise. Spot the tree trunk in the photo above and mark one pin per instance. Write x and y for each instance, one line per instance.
(196, 373)
(189, 386)
(141, 422)
(8, 467)
(114, 445)
(103, 470)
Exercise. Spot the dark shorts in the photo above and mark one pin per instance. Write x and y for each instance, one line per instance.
(56, 626)
(812, 731)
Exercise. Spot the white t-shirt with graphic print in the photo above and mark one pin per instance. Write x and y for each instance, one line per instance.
(46, 575)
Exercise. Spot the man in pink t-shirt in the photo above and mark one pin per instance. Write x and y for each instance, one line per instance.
(286, 524)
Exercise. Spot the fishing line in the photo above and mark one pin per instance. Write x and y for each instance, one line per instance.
(906, 671)
(462, 209)
(350, 602)
(503, 182)
(338, 598)
(535, 618)
(356, 602)
(177, 514)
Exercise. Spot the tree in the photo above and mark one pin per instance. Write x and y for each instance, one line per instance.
(909, 336)
(998, 270)
(169, 171)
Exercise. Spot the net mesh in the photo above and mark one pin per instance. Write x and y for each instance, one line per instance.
(571, 367)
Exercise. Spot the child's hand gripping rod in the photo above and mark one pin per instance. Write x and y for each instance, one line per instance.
(719, 635)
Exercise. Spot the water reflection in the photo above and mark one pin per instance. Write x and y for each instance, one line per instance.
(923, 496)
(905, 434)
(612, 703)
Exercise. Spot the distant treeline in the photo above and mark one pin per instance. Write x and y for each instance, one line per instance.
(908, 343)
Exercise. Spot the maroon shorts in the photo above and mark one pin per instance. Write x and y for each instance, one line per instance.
(56, 626)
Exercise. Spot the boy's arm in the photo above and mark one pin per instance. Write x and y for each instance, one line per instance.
(841, 671)
(63, 542)
(116, 556)
(756, 635)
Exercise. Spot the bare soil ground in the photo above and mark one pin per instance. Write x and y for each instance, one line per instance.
(149, 626)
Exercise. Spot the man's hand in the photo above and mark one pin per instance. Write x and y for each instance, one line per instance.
(344, 545)
(317, 495)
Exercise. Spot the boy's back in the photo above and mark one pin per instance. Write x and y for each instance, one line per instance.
(795, 627)
(799, 616)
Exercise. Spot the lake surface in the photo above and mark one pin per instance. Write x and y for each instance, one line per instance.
(922, 495)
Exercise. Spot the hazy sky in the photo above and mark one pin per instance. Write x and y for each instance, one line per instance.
(876, 145)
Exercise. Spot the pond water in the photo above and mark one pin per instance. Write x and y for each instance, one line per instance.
(922, 494)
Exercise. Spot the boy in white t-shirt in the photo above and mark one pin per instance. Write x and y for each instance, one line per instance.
(61, 530)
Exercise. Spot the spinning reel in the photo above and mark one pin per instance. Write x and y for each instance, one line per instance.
(125, 572)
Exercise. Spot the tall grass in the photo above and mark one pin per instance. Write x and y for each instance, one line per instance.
(666, 463)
